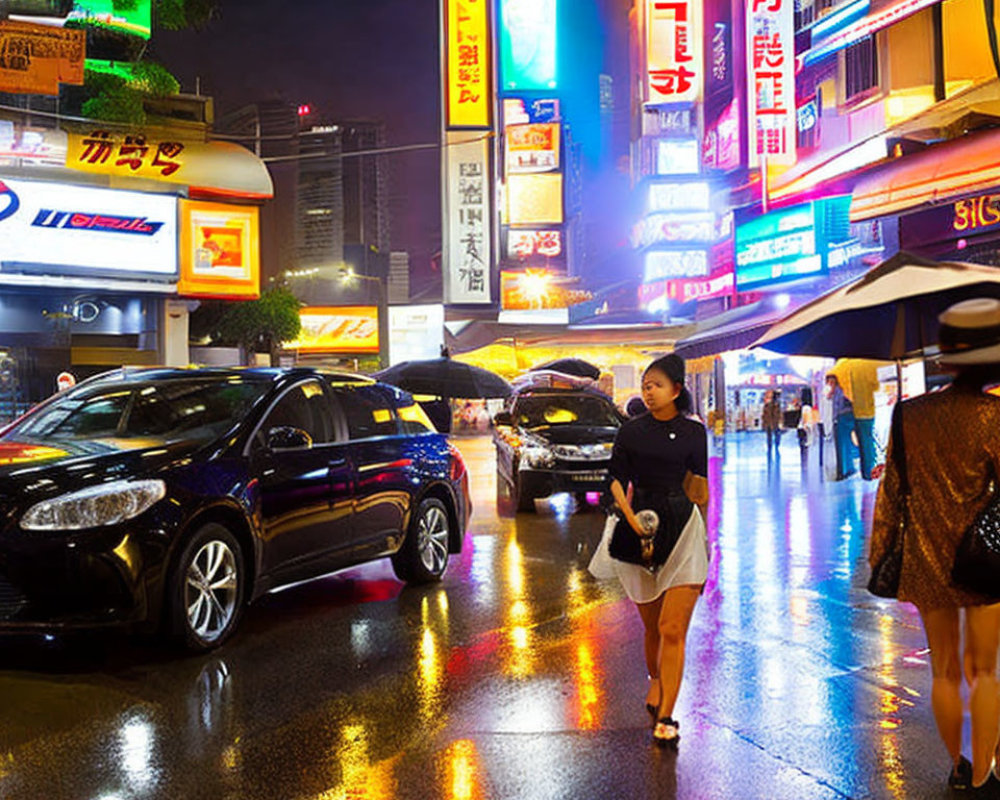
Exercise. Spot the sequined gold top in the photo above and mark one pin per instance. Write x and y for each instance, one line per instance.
(952, 443)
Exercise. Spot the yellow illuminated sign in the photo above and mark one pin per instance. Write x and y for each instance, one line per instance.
(220, 254)
(337, 329)
(469, 63)
(535, 199)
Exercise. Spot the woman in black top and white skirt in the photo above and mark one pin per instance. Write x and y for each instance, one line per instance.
(660, 461)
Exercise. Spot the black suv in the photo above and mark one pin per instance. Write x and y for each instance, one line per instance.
(554, 440)
(174, 497)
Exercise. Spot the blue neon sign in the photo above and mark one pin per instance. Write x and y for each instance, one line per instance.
(528, 44)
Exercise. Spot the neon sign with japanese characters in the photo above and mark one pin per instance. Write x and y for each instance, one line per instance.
(771, 81)
(469, 64)
(675, 67)
(467, 276)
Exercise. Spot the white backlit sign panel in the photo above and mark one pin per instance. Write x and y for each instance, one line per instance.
(415, 332)
(675, 264)
(771, 81)
(678, 197)
(677, 157)
(57, 229)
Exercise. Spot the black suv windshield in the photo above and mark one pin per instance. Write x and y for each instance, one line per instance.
(196, 410)
(546, 410)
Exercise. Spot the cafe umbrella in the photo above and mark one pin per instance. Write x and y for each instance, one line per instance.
(889, 313)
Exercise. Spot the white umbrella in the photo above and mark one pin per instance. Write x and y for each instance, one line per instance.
(889, 313)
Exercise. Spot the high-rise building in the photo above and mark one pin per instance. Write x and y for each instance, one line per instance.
(331, 203)
(365, 181)
(319, 218)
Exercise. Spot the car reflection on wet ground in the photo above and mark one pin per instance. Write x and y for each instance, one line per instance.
(518, 676)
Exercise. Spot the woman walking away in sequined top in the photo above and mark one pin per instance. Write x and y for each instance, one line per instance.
(660, 461)
(951, 451)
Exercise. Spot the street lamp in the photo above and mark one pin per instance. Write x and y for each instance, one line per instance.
(347, 276)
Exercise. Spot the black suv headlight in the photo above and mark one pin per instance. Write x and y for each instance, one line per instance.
(537, 456)
(94, 507)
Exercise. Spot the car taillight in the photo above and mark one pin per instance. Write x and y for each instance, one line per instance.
(457, 463)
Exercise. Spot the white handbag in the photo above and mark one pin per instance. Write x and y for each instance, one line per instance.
(602, 565)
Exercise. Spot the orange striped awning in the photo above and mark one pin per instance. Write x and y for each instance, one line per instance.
(942, 172)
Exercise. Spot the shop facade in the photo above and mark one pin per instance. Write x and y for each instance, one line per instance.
(104, 252)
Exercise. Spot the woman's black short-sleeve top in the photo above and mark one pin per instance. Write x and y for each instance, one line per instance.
(657, 454)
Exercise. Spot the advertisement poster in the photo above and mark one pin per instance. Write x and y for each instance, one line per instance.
(469, 63)
(467, 225)
(535, 199)
(533, 148)
(20, 144)
(131, 16)
(219, 251)
(674, 69)
(523, 245)
(35, 59)
(528, 36)
(337, 329)
(523, 290)
(771, 82)
(59, 229)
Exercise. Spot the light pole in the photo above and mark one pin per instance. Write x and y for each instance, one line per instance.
(347, 275)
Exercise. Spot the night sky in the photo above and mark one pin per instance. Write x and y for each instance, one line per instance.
(349, 59)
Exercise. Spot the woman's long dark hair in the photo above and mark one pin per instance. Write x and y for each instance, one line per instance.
(673, 367)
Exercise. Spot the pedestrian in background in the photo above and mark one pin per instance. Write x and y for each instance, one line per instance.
(770, 421)
(950, 445)
(843, 427)
(660, 461)
(634, 407)
(858, 377)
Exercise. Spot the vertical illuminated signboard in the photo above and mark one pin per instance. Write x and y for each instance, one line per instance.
(528, 44)
(771, 81)
(675, 68)
(467, 221)
(469, 64)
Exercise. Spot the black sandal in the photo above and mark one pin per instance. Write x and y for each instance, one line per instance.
(667, 732)
(960, 777)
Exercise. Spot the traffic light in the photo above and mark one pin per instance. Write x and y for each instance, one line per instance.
(35, 8)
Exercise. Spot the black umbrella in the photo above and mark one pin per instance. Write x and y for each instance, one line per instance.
(443, 377)
(570, 366)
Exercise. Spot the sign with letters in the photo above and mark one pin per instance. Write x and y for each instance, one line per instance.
(674, 70)
(51, 228)
(771, 81)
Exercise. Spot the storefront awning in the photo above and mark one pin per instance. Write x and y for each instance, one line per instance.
(732, 330)
(967, 165)
(480, 333)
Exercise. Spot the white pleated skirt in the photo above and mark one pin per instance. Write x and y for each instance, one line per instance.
(687, 564)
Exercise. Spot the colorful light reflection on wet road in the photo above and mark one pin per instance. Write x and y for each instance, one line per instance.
(519, 676)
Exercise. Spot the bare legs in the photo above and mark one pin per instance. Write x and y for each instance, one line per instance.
(666, 622)
(982, 639)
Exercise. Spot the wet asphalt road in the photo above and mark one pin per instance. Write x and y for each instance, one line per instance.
(519, 676)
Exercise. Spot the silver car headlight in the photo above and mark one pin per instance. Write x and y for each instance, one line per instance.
(538, 457)
(95, 506)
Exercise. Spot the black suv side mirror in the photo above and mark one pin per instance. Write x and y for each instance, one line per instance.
(503, 418)
(288, 438)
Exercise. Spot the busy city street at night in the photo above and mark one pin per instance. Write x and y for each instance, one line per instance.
(518, 676)
(499, 399)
